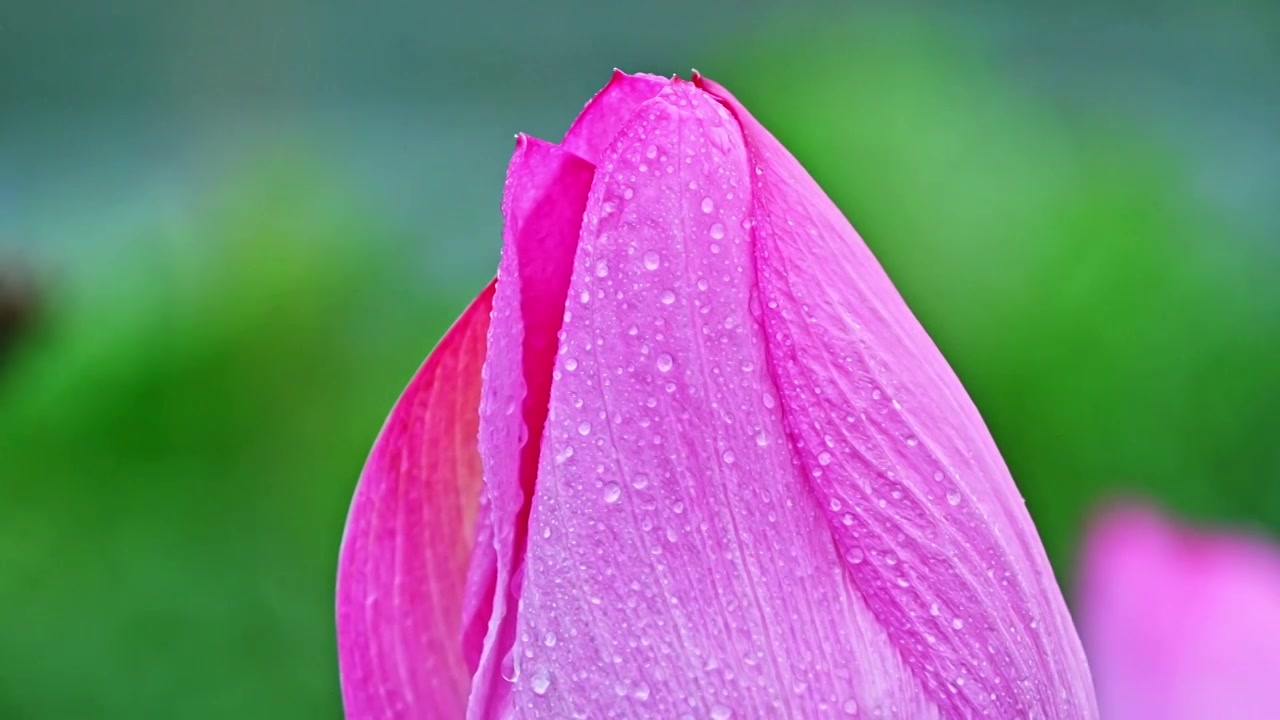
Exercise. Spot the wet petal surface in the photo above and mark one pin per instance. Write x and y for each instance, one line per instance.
(677, 563)
(929, 523)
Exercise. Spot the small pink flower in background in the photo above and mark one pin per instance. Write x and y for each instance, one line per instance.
(726, 474)
(1180, 624)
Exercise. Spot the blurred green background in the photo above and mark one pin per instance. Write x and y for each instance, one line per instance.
(230, 232)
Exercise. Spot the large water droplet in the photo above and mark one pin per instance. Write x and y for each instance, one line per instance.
(612, 492)
(540, 681)
(652, 260)
(824, 458)
(708, 205)
(717, 231)
(651, 152)
(855, 555)
(667, 297)
(602, 268)
(850, 707)
(640, 481)
(584, 428)
(953, 497)
(720, 712)
(564, 454)
(665, 362)
(571, 364)
(549, 639)
(728, 457)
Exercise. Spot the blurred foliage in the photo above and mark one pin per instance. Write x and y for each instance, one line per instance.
(1116, 339)
(180, 437)
(178, 449)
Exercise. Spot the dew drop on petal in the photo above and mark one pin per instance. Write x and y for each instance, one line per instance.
(665, 362)
(953, 498)
(850, 707)
(667, 297)
(540, 681)
(720, 712)
(652, 260)
(717, 231)
(708, 205)
(612, 492)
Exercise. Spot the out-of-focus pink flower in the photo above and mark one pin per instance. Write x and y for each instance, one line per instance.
(725, 471)
(1180, 625)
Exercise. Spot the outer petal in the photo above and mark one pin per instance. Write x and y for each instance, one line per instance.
(545, 194)
(1180, 626)
(677, 565)
(931, 527)
(405, 552)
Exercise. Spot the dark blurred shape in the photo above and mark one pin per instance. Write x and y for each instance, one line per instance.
(18, 308)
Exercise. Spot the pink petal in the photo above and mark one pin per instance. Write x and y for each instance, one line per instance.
(915, 495)
(677, 563)
(545, 195)
(405, 552)
(596, 127)
(1180, 625)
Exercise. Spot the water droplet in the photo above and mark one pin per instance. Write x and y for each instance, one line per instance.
(938, 476)
(824, 458)
(584, 428)
(836, 504)
(703, 284)
(651, 152)
(640, 481)
(641, 692)
(667, 297)
(708, 205)
(628, 193)
(762, 439)
(855, 555)
(850, 707)
(717, 231)
(652, 260)
(912, 441)
(847, 519)
(957, 623)
(902, 582)
(769, 402)
(728, 457)
(585, 297)
(953, 497)
(564, 454)
(665, 362)
(612, 492)
(715, 249)
(602, 268)
(571, 364)
(549, 639)
(934, 610)
(540, 681)
(720, 712)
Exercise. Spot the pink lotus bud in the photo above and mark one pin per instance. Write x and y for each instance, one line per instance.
(726, 474)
